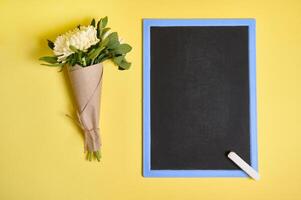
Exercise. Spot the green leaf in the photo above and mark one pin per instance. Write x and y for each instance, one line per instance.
(120, 68)
(95, 53)
(49, 59)
(100, 58)
(123, 49)
(118, 60)
(113, 36)
(104, 56)
(125, 65)
(87, 60)
(113, 44)
(113, 40)
(54, 65)
(72, 60)
(93, 22)
(98, 29)
(79, 57)
(50, 44)
(104, 22)
(90, 52)
(104, 31)
(105, 42)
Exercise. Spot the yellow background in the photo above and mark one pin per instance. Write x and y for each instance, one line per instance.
(41, 150)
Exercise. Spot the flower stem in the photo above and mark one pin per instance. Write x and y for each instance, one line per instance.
(91, 155)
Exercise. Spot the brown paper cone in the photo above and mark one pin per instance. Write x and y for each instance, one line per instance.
(86, 83)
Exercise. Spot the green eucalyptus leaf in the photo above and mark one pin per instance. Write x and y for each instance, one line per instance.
(120, 68)
(93, 22)
(118, 60)
(124, 65)
(104, 22)
(104, 31)
(113, 45)
(105, 42)
(49, 59)
(50, 44)
(54, 65)
(113, 36)
(123, 49)
(113, 40)
(99, 29)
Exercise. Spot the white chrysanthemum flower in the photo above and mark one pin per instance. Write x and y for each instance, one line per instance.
(81, 38)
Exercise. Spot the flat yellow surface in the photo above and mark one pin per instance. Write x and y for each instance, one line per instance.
(41, 150)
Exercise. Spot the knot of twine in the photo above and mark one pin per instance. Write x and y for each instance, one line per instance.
(91, 135)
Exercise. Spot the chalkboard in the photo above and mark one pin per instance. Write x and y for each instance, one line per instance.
(199, 96)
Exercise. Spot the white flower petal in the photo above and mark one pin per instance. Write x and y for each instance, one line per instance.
(81, 38)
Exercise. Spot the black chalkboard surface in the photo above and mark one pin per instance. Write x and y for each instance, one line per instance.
(199, 98)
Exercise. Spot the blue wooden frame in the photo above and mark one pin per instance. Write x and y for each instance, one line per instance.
(147, 24)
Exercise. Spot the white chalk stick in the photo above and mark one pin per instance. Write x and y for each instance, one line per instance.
(243, 165)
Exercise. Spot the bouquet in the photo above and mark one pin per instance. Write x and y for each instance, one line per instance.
(82, 51)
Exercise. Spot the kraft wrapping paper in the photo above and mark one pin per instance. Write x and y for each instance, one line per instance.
(86, 83)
